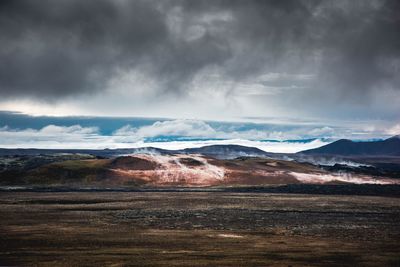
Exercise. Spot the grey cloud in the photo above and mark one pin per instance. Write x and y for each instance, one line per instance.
(53, 49)
(358, 47)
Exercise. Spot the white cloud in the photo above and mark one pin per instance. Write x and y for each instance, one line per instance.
(322, 132)
(189, 128)
(199, 129)
(79, 137)
(51, 136)
(76, 136)
(50, 130)
(70, 130)
(394, 130)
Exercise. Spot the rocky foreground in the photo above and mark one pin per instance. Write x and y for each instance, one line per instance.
(197, 229)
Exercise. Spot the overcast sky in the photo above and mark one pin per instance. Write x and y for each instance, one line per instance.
(328, 62)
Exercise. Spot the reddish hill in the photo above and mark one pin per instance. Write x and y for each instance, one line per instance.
(180, 170)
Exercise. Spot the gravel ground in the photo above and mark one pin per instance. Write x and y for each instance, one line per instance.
(197, 229)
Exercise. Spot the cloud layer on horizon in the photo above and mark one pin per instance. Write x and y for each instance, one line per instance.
(178, 134)
(78, 137)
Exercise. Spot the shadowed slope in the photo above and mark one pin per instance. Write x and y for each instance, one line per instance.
(344, 147)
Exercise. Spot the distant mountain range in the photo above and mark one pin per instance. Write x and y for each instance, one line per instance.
(227, 151)
(216, 151)
(345, 147)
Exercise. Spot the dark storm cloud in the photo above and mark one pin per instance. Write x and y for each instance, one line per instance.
(360, 50)
(51, 49)
(56, 48)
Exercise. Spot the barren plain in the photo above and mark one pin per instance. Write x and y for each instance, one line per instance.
(197, 229)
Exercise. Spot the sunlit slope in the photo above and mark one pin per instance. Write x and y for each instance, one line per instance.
(177, 170)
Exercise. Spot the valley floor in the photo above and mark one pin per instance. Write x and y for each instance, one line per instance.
(197, 229)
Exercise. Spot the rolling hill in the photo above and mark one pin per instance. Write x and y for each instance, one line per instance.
(345, 147)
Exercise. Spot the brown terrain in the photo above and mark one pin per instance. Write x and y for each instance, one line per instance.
(194, 210)
(197, 229)
(182, 170)
(198, 170)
